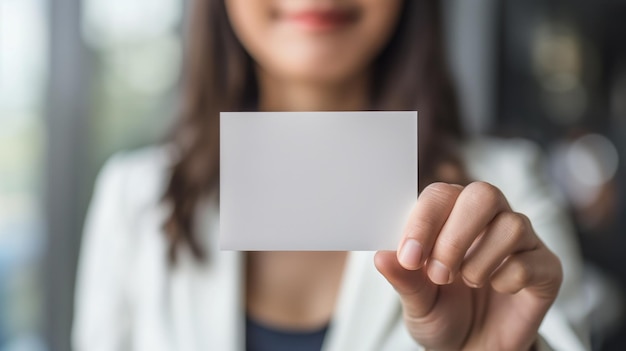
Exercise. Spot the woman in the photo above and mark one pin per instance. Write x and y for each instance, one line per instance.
(470, 273)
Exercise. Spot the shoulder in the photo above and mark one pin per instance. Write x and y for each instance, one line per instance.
(497, 156)
(145, 165)
(516, 166)
(120, 245)
(134, 180)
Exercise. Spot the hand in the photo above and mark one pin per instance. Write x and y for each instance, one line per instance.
(471, 273)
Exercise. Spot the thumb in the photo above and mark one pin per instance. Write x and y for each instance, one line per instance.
(417, 292)
(436, 316)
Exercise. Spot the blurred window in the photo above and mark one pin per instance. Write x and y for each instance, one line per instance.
(23, 58)
(134, 55)
(137, 54)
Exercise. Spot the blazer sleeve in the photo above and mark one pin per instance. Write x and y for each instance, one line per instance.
(517, 168)
(545, 207)
(566, 320)
(102, 309)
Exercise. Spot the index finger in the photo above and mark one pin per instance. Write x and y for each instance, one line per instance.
(428, 216)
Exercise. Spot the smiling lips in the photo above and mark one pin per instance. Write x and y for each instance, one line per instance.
(322, 20)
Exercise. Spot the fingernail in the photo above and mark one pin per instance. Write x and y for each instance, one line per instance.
(411, 254)
(438, 273)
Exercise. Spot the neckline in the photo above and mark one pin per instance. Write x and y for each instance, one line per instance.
(291, 332)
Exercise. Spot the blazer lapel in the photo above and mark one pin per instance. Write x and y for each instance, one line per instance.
(366, 310)
(220, 301)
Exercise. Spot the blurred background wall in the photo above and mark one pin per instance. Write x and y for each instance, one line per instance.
(80, 79)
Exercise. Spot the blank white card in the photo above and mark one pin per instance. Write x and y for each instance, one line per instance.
(316, 180)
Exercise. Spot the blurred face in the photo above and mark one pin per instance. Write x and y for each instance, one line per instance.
(324, 41)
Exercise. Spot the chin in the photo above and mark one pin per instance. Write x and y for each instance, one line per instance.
(324, 77)
(327, 70)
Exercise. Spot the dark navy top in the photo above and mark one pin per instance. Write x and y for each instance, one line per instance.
(260, 337)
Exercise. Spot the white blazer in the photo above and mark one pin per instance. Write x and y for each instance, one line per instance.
(128, 298)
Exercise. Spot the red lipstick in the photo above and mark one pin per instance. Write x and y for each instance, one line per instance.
(321, 20)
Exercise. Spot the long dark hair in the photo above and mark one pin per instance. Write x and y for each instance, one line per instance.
(409, 74)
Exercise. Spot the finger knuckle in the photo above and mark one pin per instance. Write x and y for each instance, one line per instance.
(559, 272)
(555, 262)
(453, 247)
(519, 273)
(439, 189)
(422, 225)
(484, 193)
(515, 224)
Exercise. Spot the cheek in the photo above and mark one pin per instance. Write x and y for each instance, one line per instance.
(253, 22)
(250, 20)
(381, 18)
(379, 21)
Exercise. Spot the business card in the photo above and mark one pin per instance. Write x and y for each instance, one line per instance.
(324, 181)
